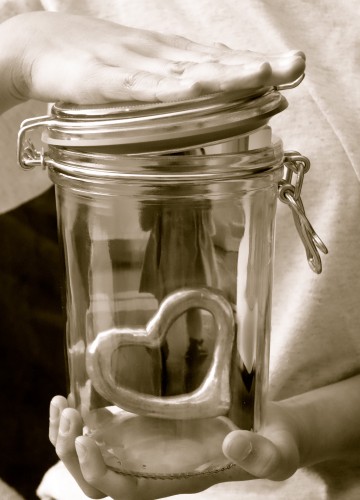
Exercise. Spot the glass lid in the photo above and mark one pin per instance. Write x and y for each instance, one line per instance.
(155, 127)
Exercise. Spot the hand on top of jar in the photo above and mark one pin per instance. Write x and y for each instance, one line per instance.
(273, 453)
(78, 59)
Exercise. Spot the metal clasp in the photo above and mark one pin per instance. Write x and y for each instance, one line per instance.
(28, 156)
(296, 165)
(291, 85)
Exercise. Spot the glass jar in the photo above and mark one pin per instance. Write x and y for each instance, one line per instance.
(166, 221)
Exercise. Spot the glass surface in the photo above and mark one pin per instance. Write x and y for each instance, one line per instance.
(168, 297)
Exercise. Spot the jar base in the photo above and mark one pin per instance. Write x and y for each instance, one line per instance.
(159, 448)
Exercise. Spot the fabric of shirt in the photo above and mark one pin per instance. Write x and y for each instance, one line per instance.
(316, 319)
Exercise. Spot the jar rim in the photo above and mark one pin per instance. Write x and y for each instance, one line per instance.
(156, 127)
(139, 109)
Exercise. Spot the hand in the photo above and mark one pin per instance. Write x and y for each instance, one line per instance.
(273, 453)
(53, 56)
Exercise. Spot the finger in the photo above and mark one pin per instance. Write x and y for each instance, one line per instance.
(294, 53)
(213, 73)
(285, 68)
(196, 79)
(214, 77)
(57, 405)
(96, 473)
(144, 86)
(209, 74)
(184, 45)
(259, 69)
(96, 83)
(248, 55)
(71, 427)
(235, 56)
(178, 54)
(259, 456)
(146, 63)
(172, 48)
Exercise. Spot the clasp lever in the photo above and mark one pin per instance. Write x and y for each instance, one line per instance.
(289, 193)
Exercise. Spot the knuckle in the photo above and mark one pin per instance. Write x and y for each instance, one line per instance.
(162, 89)
(178, 67)
(133, 80)
(92, 477)
(130, 81)
(141, 85)
(21, 78)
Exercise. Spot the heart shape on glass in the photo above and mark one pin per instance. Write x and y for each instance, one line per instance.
(212, 398)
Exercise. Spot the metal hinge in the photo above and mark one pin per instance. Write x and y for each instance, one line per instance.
(295, 167)
(27, 155)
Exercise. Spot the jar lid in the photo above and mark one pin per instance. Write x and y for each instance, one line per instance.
(159, 127)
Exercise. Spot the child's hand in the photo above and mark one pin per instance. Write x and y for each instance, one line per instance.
(272, 454)
(53, 56)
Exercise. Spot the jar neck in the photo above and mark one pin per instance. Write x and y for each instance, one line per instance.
(200, 164)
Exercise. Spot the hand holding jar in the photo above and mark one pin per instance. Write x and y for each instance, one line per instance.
(273, 455)
(297, 432)
(83, 60)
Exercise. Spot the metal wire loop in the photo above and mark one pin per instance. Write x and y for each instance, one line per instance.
(312, 242)
(289, 193)
(27, 155)
(292, 85)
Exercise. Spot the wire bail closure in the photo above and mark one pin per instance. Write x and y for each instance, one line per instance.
(28, 156)
(289, 188)
(289, 193)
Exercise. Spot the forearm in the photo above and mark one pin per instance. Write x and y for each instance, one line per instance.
(327, 421)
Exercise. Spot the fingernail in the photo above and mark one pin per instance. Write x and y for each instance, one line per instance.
(54, 412)
(290, 61)
(64, 424)
(297, 53)
(237, 447)
(80, 450)
(190, 85)
(247, 76)
(265, 68)
(258, 68)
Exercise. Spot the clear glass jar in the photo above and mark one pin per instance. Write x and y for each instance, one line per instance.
(166, 221)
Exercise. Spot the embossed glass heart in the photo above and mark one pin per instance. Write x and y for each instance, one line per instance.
(210, 399)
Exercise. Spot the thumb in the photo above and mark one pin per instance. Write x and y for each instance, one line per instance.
(261, 457)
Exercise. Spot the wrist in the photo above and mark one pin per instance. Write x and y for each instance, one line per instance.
(325, 422)
(299, 422)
